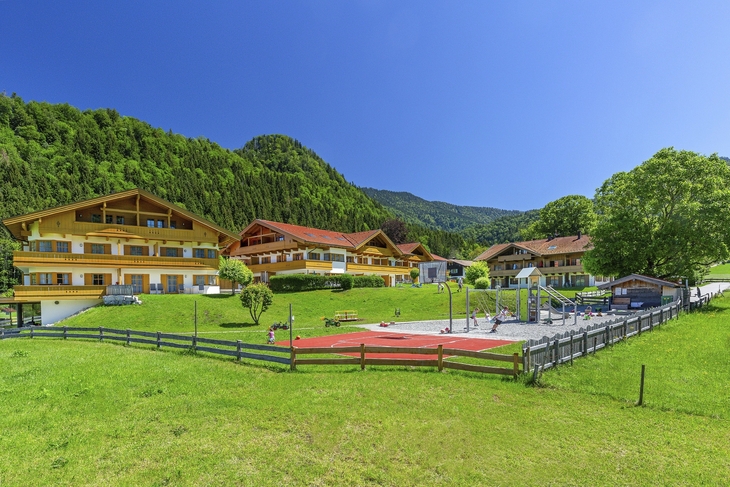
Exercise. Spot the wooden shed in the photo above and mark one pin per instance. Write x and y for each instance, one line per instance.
(639, 292)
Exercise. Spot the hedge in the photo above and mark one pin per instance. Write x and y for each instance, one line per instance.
(289, 283)
(369, 281)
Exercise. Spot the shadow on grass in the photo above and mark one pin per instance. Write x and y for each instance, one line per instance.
(218, 296)
(237, 325)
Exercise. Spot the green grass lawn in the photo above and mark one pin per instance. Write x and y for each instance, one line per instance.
(721, 271)
(687, 366)
(87, 413)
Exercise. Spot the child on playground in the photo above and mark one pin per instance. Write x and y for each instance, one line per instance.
(499, 319)
(474, 317)
(272, 338)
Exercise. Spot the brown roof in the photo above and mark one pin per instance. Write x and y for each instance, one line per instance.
(437, 257)
(638, 277)
(557, 245)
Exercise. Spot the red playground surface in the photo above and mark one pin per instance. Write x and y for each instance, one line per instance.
(388, 339)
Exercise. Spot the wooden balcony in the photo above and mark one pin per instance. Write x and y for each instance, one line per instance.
(28, 293)
(294, 265)
(266, 248)
(23, 258)
(129, 231)
(377, 269)
(571, 269)
(514, 257)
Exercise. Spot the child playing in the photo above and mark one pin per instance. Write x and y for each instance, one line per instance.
(272, 338)
(474, 317)
(499, 319)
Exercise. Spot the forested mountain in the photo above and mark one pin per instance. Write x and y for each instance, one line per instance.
(501, 230)
(55, 154)
(435, 214)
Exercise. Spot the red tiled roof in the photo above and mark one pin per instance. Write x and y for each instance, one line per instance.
(407, 248)
(558, 245)
(437, 257)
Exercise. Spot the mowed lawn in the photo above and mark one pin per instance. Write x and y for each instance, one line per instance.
(89, 413)
(721, 271)
(222, 316)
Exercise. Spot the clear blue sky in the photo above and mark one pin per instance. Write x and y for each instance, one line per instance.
(489, 103)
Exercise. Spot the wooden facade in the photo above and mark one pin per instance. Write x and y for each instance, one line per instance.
(133, 237)
(559, 260)
(271, 248)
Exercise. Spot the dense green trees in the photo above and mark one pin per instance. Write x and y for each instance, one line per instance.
(668, 217)
(565, 216)
(235, 271)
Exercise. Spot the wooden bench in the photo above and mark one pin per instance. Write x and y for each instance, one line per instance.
(346, 315)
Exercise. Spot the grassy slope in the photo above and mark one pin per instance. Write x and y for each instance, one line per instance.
(86, 413)
(721, 271)
(224, 316)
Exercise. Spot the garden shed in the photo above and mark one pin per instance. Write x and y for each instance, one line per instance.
(639, 292)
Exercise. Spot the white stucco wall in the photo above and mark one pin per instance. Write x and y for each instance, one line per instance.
(53, 313)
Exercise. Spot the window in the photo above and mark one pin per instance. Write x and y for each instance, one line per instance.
(200, 280)
(170, 252)
(265, 260)
(44, 246)
(95, 218)
(173, 224)
(62, 247)
(171, 284)
(62, 279)
(137, 284)
(97, 248)
(333, 257)
(120, 221)
(135, 250)
(160, 224)
(350, 259)
(211, 281)
(211, 254)
(45, 278)
(199, 253)
(313, 256)
(150, 222)
(109, 219)
(297, 256)
(97, 279)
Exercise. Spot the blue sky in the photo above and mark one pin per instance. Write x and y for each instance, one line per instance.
(489, 103)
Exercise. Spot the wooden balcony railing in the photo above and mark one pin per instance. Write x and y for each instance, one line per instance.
(59, 292)
(265, 248)
(23, 258)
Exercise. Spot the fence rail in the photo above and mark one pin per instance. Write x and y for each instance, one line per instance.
(438, 361)
(241, 350)
(549, 352)
(229, 348)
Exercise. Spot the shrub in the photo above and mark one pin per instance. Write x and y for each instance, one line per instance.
(290, 283)
(415, 273)
(475, 271)
(368, 281)
(482, 283)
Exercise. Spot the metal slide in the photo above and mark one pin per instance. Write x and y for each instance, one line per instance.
(564, 301)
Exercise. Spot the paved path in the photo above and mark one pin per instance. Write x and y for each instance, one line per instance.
(514, 330)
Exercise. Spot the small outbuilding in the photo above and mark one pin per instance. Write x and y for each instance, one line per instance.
(639, 292)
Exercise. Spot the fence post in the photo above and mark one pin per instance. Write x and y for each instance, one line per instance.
(516, 363)
(641, 388)
(65, 330)
(595, 344)
(292, 356)
(195, 341)
(571, 347)
(2, 333)
(128, 337)
(557, 352)
(158, 340)
(31, 332)
(362, 356)
(585, 343)
(441, 357)
(608, 336)
(526, 359)
(238, 351)
(101, 333)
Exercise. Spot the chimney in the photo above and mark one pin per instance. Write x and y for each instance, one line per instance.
(579, 234)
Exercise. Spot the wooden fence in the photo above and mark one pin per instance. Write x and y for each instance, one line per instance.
(236, 349)
(561, 348)
(240, 350)
(438, 361)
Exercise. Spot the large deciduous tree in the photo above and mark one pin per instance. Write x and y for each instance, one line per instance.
(234, 271)
(667, 218)
(476, 271)
(396, 230)
(565, 216)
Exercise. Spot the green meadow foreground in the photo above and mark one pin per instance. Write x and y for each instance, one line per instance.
(89, 413)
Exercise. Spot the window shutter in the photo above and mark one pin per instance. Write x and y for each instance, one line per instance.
(88, 278)
(127, 250)
(146, 283)
(87, 248)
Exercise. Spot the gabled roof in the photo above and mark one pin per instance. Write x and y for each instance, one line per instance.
(329, 238)
(438, 257)
(557, 245)
(227, 235)
(409, 248)
(638, 277)
(527, 272)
